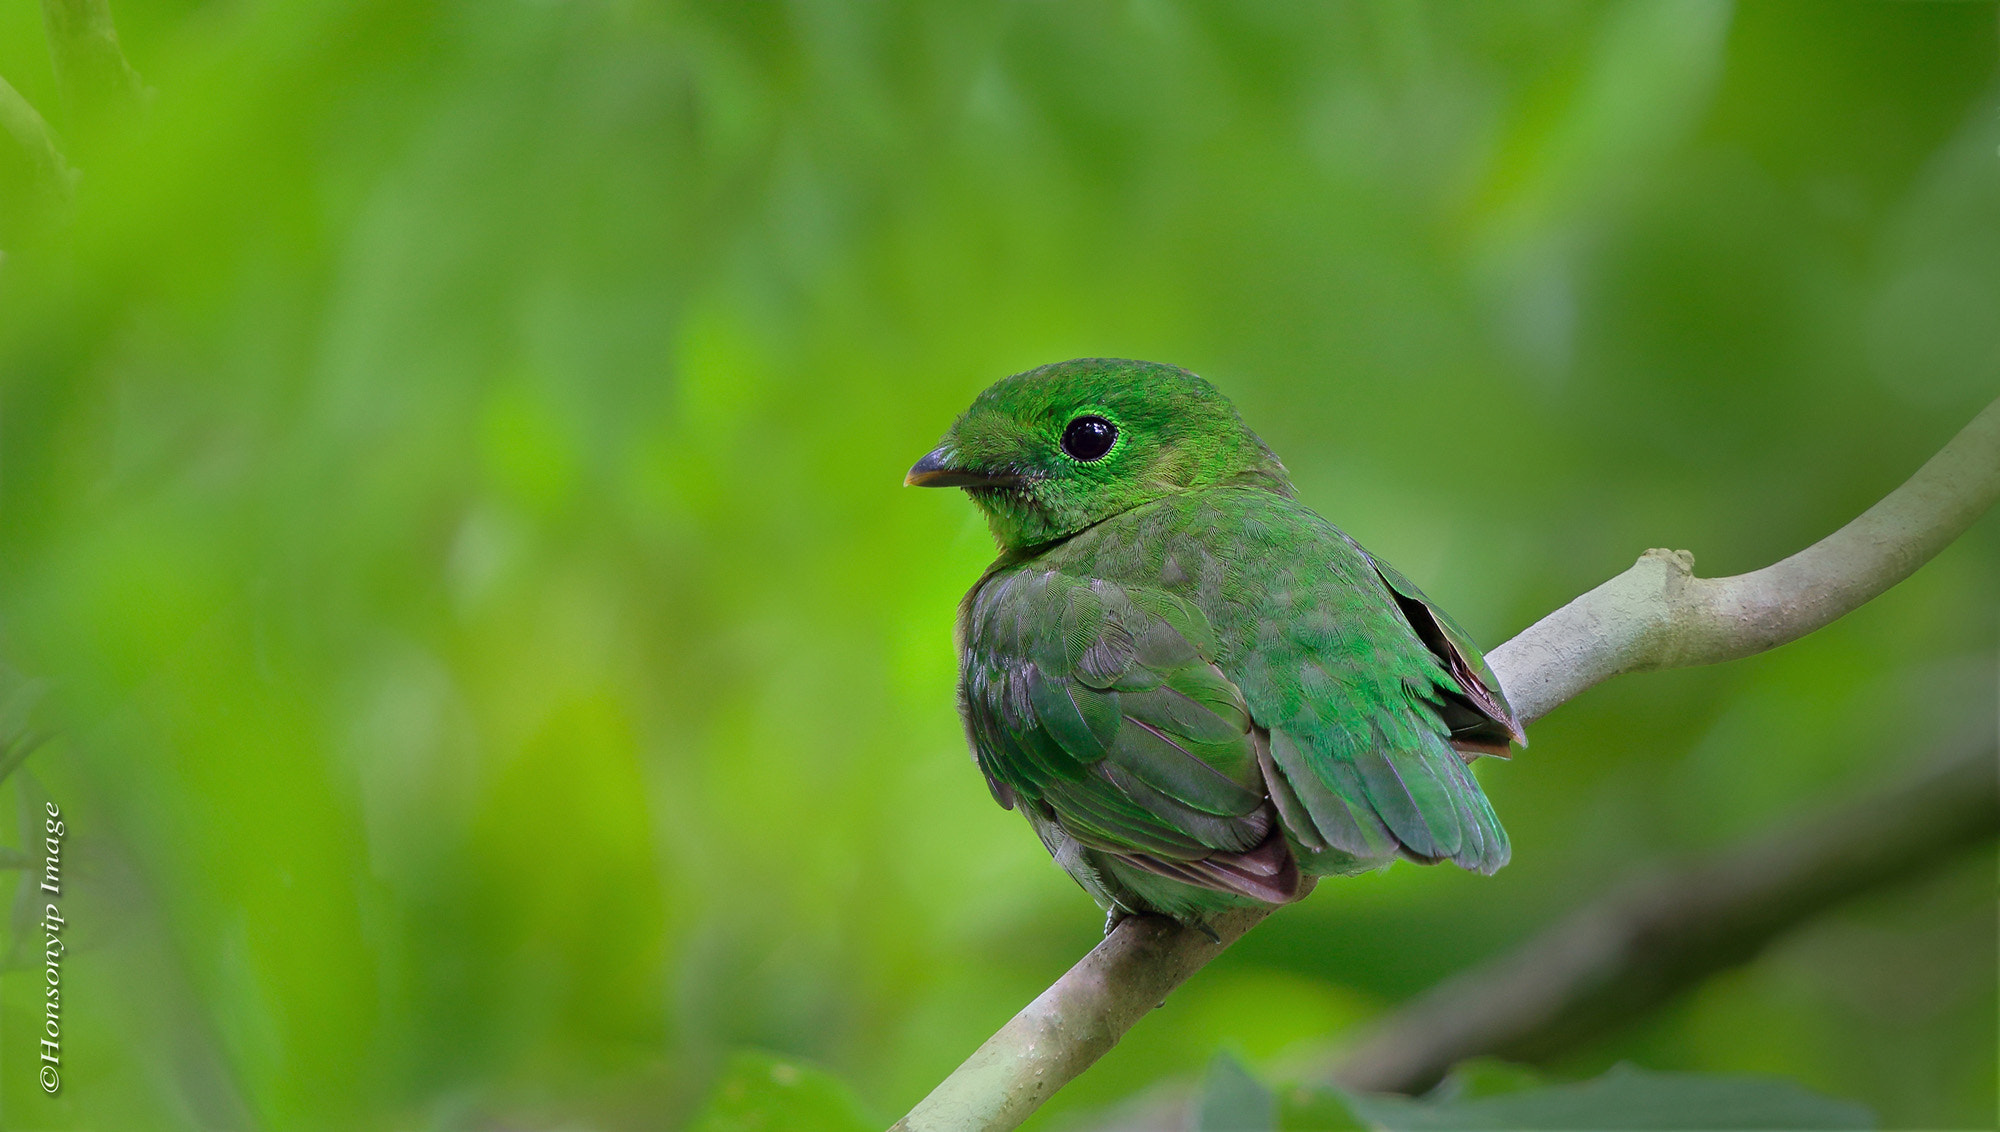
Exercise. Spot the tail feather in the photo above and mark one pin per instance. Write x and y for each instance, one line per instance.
(1268, 873)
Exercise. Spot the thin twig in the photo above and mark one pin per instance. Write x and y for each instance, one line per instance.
(1655, 615)
(32, 133)
(91, 69)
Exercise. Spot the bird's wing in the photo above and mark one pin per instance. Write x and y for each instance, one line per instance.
(1469, 699)
(1370, 695)
(1100, 705)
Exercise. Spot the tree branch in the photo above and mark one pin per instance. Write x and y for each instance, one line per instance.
(1655, 615)
(1657, 934)
(1654, 937)
(1074, 1022)
(1659, 615)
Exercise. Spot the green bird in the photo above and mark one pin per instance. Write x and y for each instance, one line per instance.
(1199, 692)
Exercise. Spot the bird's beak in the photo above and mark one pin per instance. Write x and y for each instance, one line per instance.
(937, 470)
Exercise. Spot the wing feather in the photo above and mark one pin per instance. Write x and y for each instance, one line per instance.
(1101, 706)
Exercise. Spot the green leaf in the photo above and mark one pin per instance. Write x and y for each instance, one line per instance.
(1310, 1108)
(761, 1093)
(1624, 1098)
(1234, 1101)
(1485, 1077)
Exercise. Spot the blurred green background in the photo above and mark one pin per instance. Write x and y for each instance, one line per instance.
(449, 462)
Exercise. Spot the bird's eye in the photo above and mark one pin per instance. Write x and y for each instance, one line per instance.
(1089, 438)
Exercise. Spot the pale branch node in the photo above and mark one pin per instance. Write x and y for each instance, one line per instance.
(1659, 615)
(1655, 615)
(1660, 934)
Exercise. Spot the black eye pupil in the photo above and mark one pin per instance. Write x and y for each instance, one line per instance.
(1089, 438)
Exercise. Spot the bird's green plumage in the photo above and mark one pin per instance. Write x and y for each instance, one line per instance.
(1195, 688)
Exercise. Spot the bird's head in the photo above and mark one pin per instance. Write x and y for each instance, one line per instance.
(1049, 452)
